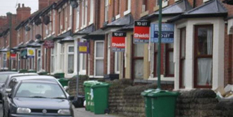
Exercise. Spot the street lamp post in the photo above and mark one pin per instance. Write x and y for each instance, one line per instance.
(159, 46)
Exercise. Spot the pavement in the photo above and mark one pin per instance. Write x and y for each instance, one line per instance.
(81, 112)
(78, 112)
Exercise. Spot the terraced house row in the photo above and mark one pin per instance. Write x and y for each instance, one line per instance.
(200, 56)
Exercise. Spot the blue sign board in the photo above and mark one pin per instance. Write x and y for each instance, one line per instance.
(167, 33)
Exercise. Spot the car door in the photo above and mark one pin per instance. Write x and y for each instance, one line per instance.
(8, 97)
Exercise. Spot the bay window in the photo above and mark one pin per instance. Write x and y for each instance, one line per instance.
(106, 10)
(52, 62)
(182, 56)
(77, 18)
(203, 52)
(99, 59)
(169, 72)
(70, 60)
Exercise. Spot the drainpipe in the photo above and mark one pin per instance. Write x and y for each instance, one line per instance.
(10, 27)
(194, 3)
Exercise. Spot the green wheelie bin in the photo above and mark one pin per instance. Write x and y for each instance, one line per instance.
(100, 97)
(163, 103)
(148, 102)
(87, 90)
(63, 81)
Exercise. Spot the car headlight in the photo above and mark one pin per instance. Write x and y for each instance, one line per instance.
(64, 112)
(23, 110)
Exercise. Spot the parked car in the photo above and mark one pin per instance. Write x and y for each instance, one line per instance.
(3, 77)
(2, 91)
(27, 98)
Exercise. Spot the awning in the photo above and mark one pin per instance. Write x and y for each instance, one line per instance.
(62, 36)
(25, 44)
(34, 44)
(213, 8)
(175, 9)
(17, 47)
(96, 35)
(126, 20)
(127, 27)
(86, 30)
(67, 39)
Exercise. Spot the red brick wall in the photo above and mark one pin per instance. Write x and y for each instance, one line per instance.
(91, 61)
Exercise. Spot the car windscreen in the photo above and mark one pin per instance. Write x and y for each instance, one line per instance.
(3, 77)
(40, 90)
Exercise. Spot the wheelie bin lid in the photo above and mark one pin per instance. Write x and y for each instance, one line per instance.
(163, 93)
(90, 82)
(146, 92)
(100, 84)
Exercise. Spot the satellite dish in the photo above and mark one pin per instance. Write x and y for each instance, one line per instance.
(46, 19)
(38, 21)
(27, 28)
(38, 36)
(74, 4)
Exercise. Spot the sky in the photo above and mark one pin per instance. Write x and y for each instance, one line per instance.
(11, 5)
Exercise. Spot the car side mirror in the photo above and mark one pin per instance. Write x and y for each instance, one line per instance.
(71, 98)
(8, 90)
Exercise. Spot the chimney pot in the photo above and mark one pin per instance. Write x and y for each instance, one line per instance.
(18, 5)
(23, 5)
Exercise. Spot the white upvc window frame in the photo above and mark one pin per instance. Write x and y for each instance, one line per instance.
(62, 51)
(129, 8)
(52, 61)
(66, 17)
(77, 18)
(70, 53)
(97, 58)
(70, 18)
(45, 58)
(91, 12)
(18, 60)
(205, 1)
(83, 8)
(117, 62)
(38, 58)
(106, 9)
(54, 19)
(86, 13)
(82, 56)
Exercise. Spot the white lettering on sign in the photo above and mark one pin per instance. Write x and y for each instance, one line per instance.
(118, 44)
(136, 35)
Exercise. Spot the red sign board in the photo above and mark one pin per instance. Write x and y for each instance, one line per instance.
(13, 55)
(48, 44)
(141, 32)
(118, 41)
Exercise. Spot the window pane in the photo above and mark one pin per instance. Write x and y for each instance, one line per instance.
(99, 49)
(204, 71)
(183, 73)
(71, 49)
(99, 67)
(205, 41)
(38, 64)
(171, 64)
(70, 63)
(183, 41)
(138, 70)
(138, 50)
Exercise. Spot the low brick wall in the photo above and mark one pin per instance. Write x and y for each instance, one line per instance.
(126, 100)
(72, 85)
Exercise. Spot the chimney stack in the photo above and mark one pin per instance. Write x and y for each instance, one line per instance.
(22, 5)
(19, 5)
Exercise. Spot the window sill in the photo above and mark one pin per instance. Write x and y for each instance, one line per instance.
(117, 16)
(98, 76)
(69, 28)
(144, 13)
(91, 22)
(156, 8)
(76, 30)
(127, 12)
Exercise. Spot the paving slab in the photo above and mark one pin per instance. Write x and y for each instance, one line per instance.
(81, 112)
